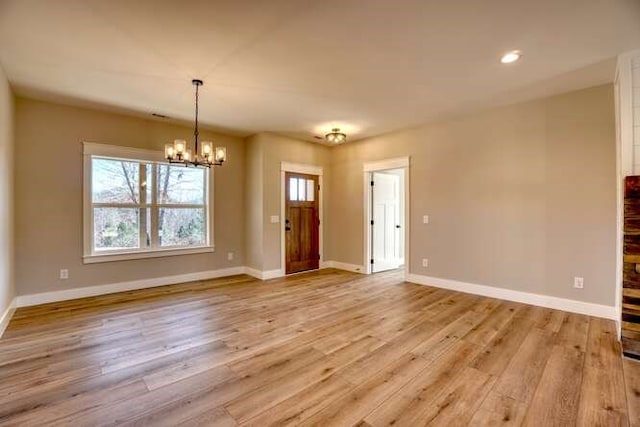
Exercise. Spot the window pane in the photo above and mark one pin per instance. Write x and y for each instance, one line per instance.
(178, 184)
(181, 226)
(310, 190)
(293, 189)
(301, 186)
(115, 228)
(114, 181)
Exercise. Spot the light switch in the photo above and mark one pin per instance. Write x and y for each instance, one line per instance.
(275, 219)
(425, 219)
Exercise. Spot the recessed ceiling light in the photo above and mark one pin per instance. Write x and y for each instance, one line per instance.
(511, 57)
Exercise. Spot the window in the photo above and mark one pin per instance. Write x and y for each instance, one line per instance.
(302, 190)
(139, 208)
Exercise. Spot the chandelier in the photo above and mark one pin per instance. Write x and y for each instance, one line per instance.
(179, 153)
(335, 136)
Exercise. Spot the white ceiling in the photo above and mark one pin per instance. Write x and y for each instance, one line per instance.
(300, 67)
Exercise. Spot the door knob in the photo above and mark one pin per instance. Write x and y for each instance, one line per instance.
(397, 226)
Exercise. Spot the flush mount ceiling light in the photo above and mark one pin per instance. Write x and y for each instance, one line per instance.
(178, 152)
(511, 57)
(335, 136)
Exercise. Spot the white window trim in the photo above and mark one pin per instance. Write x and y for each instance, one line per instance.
(106, 150)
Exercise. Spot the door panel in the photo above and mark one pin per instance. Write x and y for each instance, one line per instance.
(302, 243)
(386, 222)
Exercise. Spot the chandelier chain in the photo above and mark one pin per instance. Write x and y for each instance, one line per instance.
(196, 132)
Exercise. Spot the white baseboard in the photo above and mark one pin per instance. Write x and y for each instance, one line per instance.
(6, 316)
(91, 291)
(272, 274)
(253, 272)
(343, 266)
(597, 310)
(573, 306)
(263, 275)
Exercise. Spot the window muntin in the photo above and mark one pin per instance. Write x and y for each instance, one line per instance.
(140, 206)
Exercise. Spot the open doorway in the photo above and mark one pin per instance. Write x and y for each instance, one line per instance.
(386, 208)
(387, 220)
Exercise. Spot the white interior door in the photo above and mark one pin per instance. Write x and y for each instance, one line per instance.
(387, 222)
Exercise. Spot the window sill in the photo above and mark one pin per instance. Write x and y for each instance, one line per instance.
(125, 256)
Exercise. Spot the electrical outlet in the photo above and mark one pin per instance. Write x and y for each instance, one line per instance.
(425, 219)
(425, 262)
(230, 256)
(578, 282)
(64, 274)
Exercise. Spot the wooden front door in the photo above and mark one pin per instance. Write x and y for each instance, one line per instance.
(302, 222)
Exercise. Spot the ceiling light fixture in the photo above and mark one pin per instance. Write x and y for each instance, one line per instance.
(511, 57)
(335, 136)
(178, 152)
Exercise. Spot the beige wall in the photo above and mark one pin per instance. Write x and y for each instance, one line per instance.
(48, 197)
(273, 150)
(520, 197)
(254, 202)
(7, 288)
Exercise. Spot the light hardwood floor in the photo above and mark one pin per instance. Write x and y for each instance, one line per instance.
(324, 348)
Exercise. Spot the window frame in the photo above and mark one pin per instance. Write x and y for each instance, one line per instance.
(94, 150)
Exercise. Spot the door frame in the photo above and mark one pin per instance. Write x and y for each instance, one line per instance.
(381, 165)
(309, 170)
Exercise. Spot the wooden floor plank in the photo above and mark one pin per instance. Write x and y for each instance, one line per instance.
(632, 383)
(520, 379)
(498, 351)
(362, 400)
(499, 410)
(304, 404)
(251, 404)
(460, 399)
(321, 348)
(603, 398)
(557, 396)
(409, 405)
